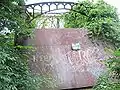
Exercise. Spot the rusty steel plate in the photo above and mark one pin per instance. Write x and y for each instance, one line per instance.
(70, 68)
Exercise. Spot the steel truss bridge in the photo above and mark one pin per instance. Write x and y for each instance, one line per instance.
(37, 9)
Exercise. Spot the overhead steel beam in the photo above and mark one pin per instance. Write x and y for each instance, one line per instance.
(37, 9)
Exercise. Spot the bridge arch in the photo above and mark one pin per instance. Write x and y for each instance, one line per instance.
(37, 9)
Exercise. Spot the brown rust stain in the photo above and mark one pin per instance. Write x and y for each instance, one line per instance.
(71, 69)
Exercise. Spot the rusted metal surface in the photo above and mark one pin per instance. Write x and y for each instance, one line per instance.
(70, 69)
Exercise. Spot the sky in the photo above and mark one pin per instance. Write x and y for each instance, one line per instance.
(112, 2)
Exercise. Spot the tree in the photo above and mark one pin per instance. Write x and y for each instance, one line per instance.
(100, 18)
(14, 71)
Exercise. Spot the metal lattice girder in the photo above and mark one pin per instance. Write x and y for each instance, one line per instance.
(37, 9)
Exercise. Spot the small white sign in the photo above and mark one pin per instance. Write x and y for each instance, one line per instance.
(76, 46)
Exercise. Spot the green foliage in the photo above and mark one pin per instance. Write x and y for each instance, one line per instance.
(12, 20)
(114, 64)
(110, 80)
(104, 83)
(14, 71)
(100, 18)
